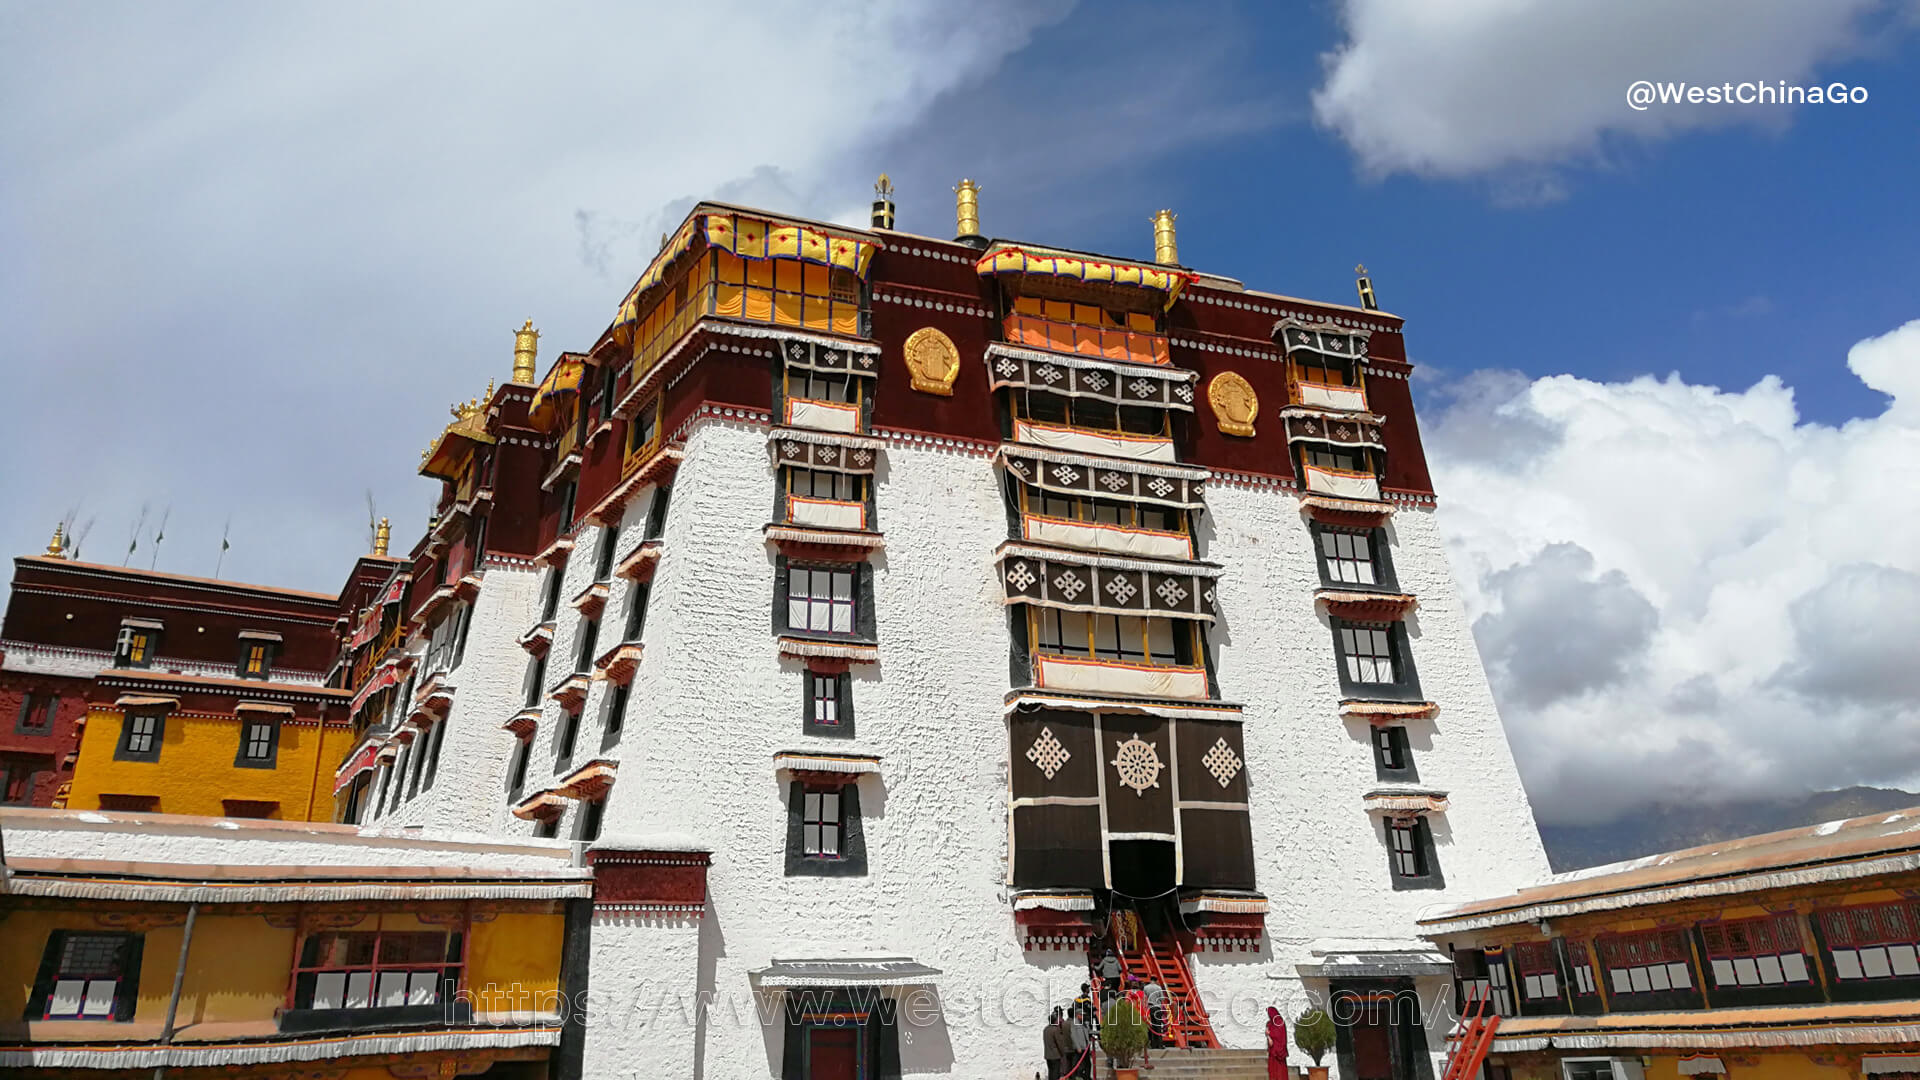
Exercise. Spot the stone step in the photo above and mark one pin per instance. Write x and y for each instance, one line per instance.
(1171, 1064)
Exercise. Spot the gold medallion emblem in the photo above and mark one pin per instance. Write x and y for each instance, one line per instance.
(932, 360)
(1234, 403)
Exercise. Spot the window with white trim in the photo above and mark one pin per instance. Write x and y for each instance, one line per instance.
(89, 977)
(1367, 651)
(1653, 961)
(1764, 951)
(1347, 556)
(1535, 970)
(825, 484)
(141, 734)
(376, 969)
(820, 824)
(821, 600)
(825, 698)
(1403, 840)
(258, 741)
(134, 647)
(1871, 941)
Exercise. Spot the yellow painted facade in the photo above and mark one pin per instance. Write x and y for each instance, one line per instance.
(196, 774)
(240, 965)
(1744, 1065)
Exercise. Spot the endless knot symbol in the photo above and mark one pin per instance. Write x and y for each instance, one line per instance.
(1120, 589)
(796, 351)
(1159, 486)
(1141, 388)
(1047, 753)
(862, 457)
(1094, 380)
(1171, 592)
(1183, 392)
(1221, 761)
(1114, 481)
(1068, 585)
(1066, 474)
(790, 449)
(1138, 764)
(1007, 367)
(1020, 577)
(1047, 374)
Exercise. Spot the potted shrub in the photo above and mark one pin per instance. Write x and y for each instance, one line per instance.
(1313, 1032)
(1123, 1035)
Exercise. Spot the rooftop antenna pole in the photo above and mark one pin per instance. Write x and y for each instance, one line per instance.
(159, 534)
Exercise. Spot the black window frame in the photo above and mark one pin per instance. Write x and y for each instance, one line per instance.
(1426, 859)
(18, 771)
(587, 631)
(603, 555)
(124, 750)
(438, 734)
(242, 759)
(534, 682)
(592, 816)
(267, 656)
(852, 858)
(123, 646)
(1384, 578)
(550, 594)
(547, 828)
(863, 614)
(567, 739)
(517, 766)
(23, 723)
(615, 719)
(1406, 684)
(842, 687)
(657, 508)
(637, 595)
(131, 948)
(1389, 743)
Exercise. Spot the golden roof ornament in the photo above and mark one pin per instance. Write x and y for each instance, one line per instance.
(1365, 285)
(883, 202)
(526, 348)
(57, 547)
(966, 210)
(382, 536)
(1165, 251)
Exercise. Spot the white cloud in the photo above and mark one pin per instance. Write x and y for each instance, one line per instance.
(1686, 593)
(1461, 88)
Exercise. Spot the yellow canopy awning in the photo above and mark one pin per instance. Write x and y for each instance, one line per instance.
(564, 379)
(749, 237)
(1011, 259)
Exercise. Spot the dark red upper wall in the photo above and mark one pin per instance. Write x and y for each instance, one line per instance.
(77, 605)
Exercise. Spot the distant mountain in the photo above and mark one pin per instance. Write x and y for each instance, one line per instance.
(1668, 827)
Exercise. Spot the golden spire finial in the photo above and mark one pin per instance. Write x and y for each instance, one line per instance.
(1365, 286)
(1165, 251)
(966, 210)
(526, 346)
(382, 536)
(883, 202)
(57, 547)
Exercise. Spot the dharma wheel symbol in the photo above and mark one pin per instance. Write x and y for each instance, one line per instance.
(1138, 764)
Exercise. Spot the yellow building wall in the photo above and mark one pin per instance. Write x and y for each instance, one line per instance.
(1783, 1065)
(513, 962)
(196, 768)
(239, 966)
(236, 969)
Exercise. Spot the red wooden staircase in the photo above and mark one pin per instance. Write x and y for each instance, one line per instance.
(1472, 1037)
(1163, 961)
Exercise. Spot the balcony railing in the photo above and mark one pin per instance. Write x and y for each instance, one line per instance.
(1100, 536)
(1130, 678)
(1109, 343)
(1082, 441)
(1342, 483)
(826, 513)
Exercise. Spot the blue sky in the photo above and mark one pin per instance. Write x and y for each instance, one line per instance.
(1669, 362)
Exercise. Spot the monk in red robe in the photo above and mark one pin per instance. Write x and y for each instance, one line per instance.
(1276, 1045)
